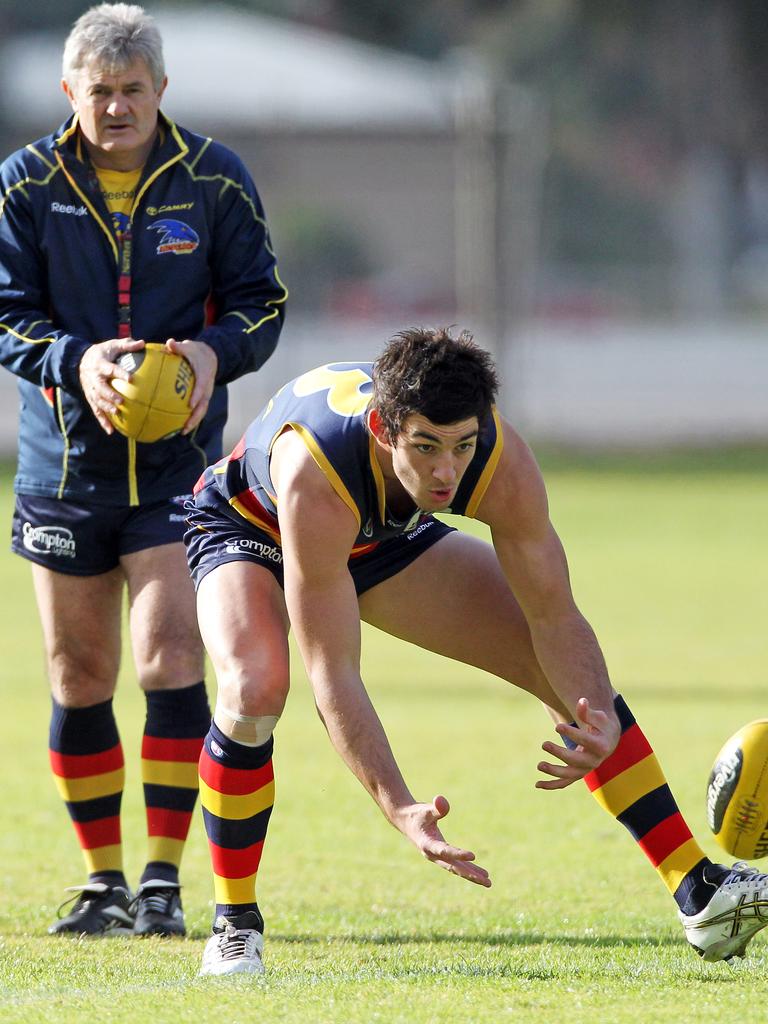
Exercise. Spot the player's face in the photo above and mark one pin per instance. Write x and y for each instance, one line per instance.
(430, 459)
(117, 113)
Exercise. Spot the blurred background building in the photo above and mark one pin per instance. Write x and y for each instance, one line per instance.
(583, 183)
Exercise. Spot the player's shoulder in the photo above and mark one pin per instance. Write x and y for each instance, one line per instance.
(310, 504)
(517, 482)
(294, 468)
(517, 458)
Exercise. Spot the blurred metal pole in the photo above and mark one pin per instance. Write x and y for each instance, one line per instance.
(475, 192)
(521, 152)
(501, 149)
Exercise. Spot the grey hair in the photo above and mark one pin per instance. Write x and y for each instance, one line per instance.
(113, 36)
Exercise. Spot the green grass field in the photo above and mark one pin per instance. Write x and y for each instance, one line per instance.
(668, 560)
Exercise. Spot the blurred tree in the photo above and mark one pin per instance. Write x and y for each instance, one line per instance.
(657, 114)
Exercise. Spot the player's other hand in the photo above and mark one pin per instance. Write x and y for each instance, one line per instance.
(596, 734)
(419, 823)
(204, 362)
(98, 367)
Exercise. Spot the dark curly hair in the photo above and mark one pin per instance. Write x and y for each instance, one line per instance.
(428, 371)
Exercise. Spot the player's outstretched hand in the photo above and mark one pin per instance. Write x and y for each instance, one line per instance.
(98, 367)
(420, 826)
(204, 362)
(596, 735)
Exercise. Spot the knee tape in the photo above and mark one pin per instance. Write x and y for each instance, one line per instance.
(251, 731)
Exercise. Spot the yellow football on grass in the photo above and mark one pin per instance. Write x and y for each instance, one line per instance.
(737, 793)
(155, 401)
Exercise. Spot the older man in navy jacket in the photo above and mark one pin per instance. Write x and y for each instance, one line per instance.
(119, 229)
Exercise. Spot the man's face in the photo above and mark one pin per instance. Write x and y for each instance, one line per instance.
(118, 113)
(430, 459)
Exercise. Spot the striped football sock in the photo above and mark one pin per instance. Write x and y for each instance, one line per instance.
(87, 763)
(237, 791)
(177, 721)
(631, 786)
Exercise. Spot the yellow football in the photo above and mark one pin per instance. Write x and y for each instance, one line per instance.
(155, 402)
(737, 793)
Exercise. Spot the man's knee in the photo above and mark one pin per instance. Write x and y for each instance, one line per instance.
(171, 666)
(168, 658)
(80, 679)
(254, 686)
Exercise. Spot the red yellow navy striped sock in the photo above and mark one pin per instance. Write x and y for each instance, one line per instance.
(237, 791)
(177, 721)
(87, 763)
(631, 786)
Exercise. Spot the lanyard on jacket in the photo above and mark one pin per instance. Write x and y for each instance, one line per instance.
(124, 244)
(124, 285)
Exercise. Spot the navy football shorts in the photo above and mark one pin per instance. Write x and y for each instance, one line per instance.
(213, 539)
(86, 540)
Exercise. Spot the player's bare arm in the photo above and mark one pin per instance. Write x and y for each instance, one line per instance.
(532, 558)
(204, 363)
(98, 368)
(318, 531)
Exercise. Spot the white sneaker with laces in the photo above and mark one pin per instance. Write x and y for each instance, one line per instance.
(233, 949)
(735, 914)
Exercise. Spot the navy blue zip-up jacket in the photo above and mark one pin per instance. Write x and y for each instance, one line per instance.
(200, 266)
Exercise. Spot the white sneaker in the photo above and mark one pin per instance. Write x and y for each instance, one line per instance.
(233, 949)
(737, 911)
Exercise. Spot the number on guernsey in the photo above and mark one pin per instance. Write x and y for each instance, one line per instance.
(345, 397)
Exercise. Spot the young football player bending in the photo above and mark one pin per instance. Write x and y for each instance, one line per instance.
(357, 457)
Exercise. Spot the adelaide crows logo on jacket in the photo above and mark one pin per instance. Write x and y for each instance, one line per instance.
(175, 236)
